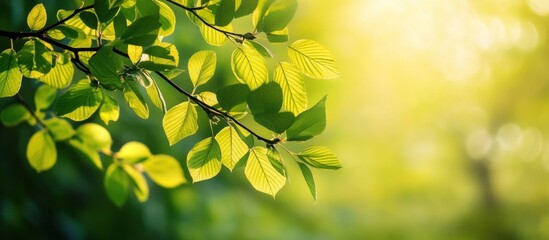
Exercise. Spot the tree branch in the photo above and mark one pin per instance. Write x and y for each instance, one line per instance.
(77, 11)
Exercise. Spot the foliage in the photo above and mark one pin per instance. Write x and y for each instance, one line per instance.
(118, 45)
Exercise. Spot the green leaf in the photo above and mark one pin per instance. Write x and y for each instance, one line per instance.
(309, 123)
(202, 67)
(133, 152)
(35, 58)
(95, 136)
(280, 36)
(278, 16)
(309, 179)
(14, 114)
(225, 13)
(89, 18)
(319, 157)
(261, 174)
(265, 99)
(135, 99)
(212, 36)
(293, 88)
(139, 183)
(208, 97)
(233, 98)
(134, 53)
(249, 67)
(60, 129)
(119, 24)
(44, 97)
(105, 10)
(164, 170)
(109, 111)
(105, 65)
(156, 96)
(117, 184)
(41, 151)
(87, 151)
(167, 19)
(172, 73)
(277, 122)
(233, 148)
(80, 101)
(204, 160)
(246, 7)
(62, 31)
(147, 8)
(142, 32)
(10, 75)
(259, 48)
(259, 13)
(160, 57)
(37, 17)
(276, 160)
(180, 122)
(60, 76)
(313, 59)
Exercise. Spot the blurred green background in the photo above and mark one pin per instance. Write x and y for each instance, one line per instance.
(440, 120)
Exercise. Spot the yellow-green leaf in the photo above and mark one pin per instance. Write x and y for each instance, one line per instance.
(95, 136)
(233, 148)
(208, 97)
(35, 58)
(319, 157)
(156, 96)
(80, 101)
(37, 17)
(180, 122)
(60, 76)
(167, 19)
(117, 184)
(134, 53)
(313, 59)
(10, 75)
(164, 170)
(212, 36)
(202, 67)
(60, 129)
(261, 174)
(41, 151)
(135, 100)
(109, 111)
(204, 160)
(14, 114)
(133, 152)
(309, 179)
(44, 97)
(293, 88)
(249, 67)
(87, 151)
(139, 183)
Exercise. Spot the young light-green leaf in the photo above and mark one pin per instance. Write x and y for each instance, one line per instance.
(60, 76)
(167, 19)
(80, 101)
(233, 148)
(180, 122)
(139, 183)
(313, 59)
(156, 96)
(164, 170)
(133, 152)
(249, 67)
(109, 110)
(87, 151)
(309, 179)
(10, 75)
(319, 157)
(212, 36)
(160, 57)
(95, 136)
(14, 114)
(204, 160)
(279, 14)
(44, 97)
(35, 58)
(208, 97)
(117, 184)
(202, 67)
(134, 53)
(37, 17)
(309, 123)
(276, 160)
(41, 151)
(60, 129)
(261, 174)
(135, 99)
(293, 88)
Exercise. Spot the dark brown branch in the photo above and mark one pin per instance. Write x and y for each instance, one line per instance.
(77, 11)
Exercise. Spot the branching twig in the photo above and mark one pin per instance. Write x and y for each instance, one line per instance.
(31, 111)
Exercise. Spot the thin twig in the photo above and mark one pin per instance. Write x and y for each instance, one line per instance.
(31, 111)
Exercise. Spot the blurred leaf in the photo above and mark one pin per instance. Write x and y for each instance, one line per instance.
(87, 151)
(313, 59)
(95, 136)
(41, 151)
(135, 99)
(80, 101)
(249, 67)
(60, 76)
(319, 157)
(246, 7)
(259, 13)
(133, 152)
(309, 179)
(117, 184)
(202, 67)
(180, 122)
(233, 148)
(277, 122)
(105, 65)
(280, 36)
(309, 123)
(14, 114)
(265, 99)
(37, 17)
(10, 75)
(109, 111)
(140, 186)
(225, 13)
(60, 129)
(164, 170)
(261, 173)
(279, 14)
(44, 97)
(204, 160)
(293, 88)
(34, 58)
(167, 19)
(233, 98)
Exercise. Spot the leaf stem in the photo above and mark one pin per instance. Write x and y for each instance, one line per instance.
(29, 108)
